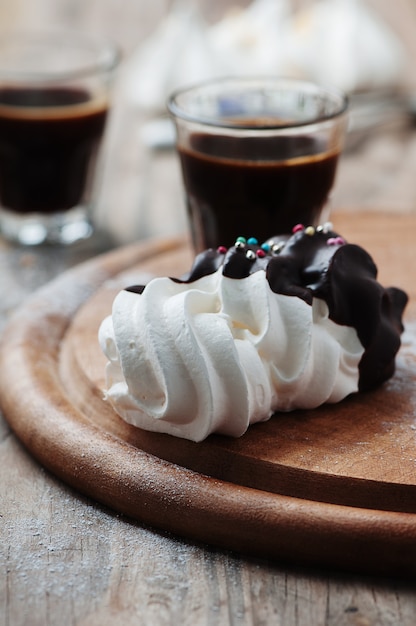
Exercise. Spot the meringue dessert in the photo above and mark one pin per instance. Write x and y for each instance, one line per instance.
(291, 323)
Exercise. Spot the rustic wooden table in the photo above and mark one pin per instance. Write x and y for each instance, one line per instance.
(66, 560)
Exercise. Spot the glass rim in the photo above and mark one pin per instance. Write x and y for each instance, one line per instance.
(107, 55)
(284, 82)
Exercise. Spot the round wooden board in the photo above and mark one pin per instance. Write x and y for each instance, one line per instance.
(333, 487)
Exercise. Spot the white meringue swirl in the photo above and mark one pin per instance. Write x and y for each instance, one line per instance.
(219, 354)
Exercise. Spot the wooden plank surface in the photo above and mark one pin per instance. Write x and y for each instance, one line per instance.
(52, 540)
(66, 560)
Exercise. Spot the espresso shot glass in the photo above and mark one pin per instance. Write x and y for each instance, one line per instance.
(258, 155)
(54, 103)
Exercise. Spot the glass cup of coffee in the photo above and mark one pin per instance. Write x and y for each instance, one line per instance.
(54, 103)
(258, 155)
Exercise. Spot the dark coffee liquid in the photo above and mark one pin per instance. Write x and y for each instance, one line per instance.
(229, 196)
(49, 140)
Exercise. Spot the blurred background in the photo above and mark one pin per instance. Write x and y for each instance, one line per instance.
(367, 47)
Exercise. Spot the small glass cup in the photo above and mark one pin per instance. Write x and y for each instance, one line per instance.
(258, 155)
(54, 103)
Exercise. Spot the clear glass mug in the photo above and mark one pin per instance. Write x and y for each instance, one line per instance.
(54, 102)
(258, 155)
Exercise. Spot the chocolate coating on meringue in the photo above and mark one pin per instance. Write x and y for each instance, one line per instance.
(323, 265)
